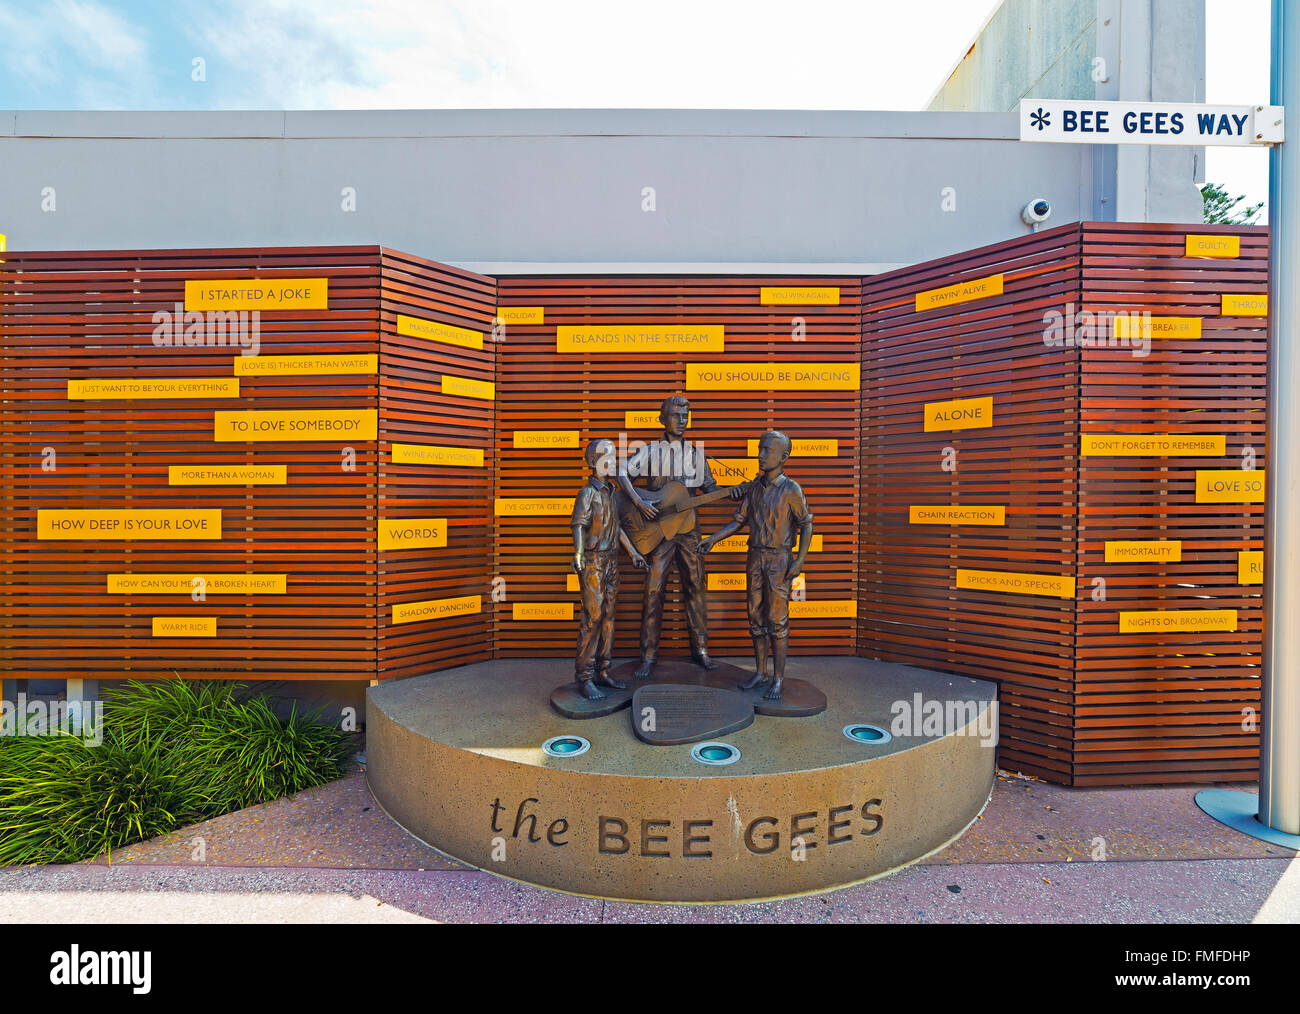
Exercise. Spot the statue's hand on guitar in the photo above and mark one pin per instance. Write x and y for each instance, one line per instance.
(648, 510)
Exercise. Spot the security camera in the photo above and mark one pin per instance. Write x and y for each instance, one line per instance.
(1036, 212)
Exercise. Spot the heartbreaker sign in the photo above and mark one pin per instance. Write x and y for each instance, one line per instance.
(1080, 121)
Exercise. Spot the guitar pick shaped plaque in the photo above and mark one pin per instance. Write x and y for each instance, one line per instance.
(687, 713)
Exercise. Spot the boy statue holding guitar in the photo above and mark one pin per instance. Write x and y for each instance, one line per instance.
(596, 538)
(776, 512)
(659, 518)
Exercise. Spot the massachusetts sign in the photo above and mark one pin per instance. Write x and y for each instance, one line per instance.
(1080, 121)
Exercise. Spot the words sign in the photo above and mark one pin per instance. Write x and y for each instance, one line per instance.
(1079, 121)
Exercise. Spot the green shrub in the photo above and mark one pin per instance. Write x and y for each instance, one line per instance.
(174, 752)
(62, 801)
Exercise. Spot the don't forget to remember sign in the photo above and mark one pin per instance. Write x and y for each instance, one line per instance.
(1079, 121)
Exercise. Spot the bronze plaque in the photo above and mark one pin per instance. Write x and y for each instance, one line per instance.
(669, 714)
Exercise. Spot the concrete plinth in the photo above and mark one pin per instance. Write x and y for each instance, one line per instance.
(455, 757)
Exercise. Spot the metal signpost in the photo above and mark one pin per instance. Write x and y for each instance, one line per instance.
(1275, 814)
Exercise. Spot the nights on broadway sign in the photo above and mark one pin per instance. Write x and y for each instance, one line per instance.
(1081, 121)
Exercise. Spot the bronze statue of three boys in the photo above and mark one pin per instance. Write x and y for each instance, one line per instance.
(656, 525)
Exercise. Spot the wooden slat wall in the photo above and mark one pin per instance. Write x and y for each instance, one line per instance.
(413, 410)
(1081, 703)
(910, 608)
(89, 315)
(1169, 707)
(539, 389)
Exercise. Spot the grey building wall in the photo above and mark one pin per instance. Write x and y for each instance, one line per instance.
(503, 190)
(1027, 49)
(1148, 50)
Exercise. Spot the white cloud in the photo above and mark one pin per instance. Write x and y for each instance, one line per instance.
(827, 54)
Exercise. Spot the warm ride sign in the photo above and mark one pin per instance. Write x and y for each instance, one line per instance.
(1081, 121)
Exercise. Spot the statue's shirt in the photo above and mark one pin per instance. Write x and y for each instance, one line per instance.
(774, 512)
(665, 459)
(593, 509)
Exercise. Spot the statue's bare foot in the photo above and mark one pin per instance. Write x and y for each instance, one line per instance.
(589, 690)
(703, 661)
(758, 680)
(646, 669)
(606, 680)
(773, 692)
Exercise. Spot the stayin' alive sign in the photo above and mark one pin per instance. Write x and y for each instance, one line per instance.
(1079, 121)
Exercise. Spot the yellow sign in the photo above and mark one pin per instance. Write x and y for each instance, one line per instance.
(1252, 304)
(942, 514)
(1164, 621)
(962, 292)
(412, 533)
(306, 366)
(129, 523)
(740, 544)
(962, 414)
(434, 331)
(737, 581)
(571, 583)
(467, 387)
(646, 420)
(809, 608)
(227, 475)
(431, 454)
(436, 609)
(257, 294)
(1131, 325)
(541, 610)
(1232, 485)
(184, 626)
(539, 439)
(521, 314)
(520, 507)
(790, 295)
(732, 471)
(104, 388)
(1250, 566)
(1213, 246)
(1154, 551)
(605, 339)
(1151, 445)
(773, 376)
(1059, 586)
(296, 424)
(811, 448)
(186, 584)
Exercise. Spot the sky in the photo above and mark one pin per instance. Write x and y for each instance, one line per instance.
(375, 54)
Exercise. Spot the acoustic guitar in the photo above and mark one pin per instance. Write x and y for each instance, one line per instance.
(676, 512)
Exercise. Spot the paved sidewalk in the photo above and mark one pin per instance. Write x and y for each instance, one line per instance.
(334, 856)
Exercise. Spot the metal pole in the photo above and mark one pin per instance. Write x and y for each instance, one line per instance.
(1279, 760)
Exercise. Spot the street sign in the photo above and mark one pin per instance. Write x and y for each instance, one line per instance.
(1080, 121)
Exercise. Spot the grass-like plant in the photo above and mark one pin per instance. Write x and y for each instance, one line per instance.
(62, 800)
(173, 752)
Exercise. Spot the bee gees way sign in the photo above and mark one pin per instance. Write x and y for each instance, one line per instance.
(1080, 121)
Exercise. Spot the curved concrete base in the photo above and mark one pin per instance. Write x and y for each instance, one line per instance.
(455, 758)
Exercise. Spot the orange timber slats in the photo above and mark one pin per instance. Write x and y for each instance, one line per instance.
(100, 315)
(447, 462)
(540, 389)
(1178, 705)
(1018, 471)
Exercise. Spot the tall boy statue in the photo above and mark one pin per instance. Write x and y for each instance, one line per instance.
(775, 510)
(596, 537)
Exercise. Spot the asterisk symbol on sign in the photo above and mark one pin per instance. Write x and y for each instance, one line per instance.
(1039, 118)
